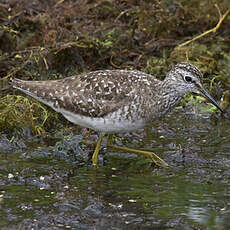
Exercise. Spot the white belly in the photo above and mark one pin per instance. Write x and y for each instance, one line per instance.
(107, 124)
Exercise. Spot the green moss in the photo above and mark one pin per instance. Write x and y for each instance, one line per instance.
(17, 112)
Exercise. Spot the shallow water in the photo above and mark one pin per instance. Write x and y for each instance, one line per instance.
(55, 186)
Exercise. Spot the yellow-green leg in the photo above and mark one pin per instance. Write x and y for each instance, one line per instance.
(152, 156)
(96, 151)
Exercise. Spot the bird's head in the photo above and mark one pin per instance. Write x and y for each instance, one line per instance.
(187, 78)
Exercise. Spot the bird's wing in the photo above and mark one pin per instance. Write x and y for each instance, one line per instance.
(95, 94)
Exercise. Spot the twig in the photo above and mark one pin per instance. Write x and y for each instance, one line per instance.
(59, 3)
(112, 63)
(122, 13)
(221, 18)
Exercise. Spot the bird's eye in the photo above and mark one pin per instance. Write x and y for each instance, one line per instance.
(188, 79)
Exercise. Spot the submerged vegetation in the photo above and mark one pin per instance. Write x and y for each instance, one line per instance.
(55, 39)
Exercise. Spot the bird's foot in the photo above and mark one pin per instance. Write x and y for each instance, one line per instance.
(152, 156)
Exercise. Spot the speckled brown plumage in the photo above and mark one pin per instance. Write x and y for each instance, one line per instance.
(93, 94)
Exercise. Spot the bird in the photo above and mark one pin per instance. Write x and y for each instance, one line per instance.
(117, 101)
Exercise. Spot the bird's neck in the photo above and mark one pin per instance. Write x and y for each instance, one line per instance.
(169, 96)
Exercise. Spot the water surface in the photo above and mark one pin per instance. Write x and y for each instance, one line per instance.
(54, 186)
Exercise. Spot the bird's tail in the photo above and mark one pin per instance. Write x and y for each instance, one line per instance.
(17, 83)
(35, 89)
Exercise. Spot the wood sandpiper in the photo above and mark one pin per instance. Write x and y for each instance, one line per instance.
(116, 101)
